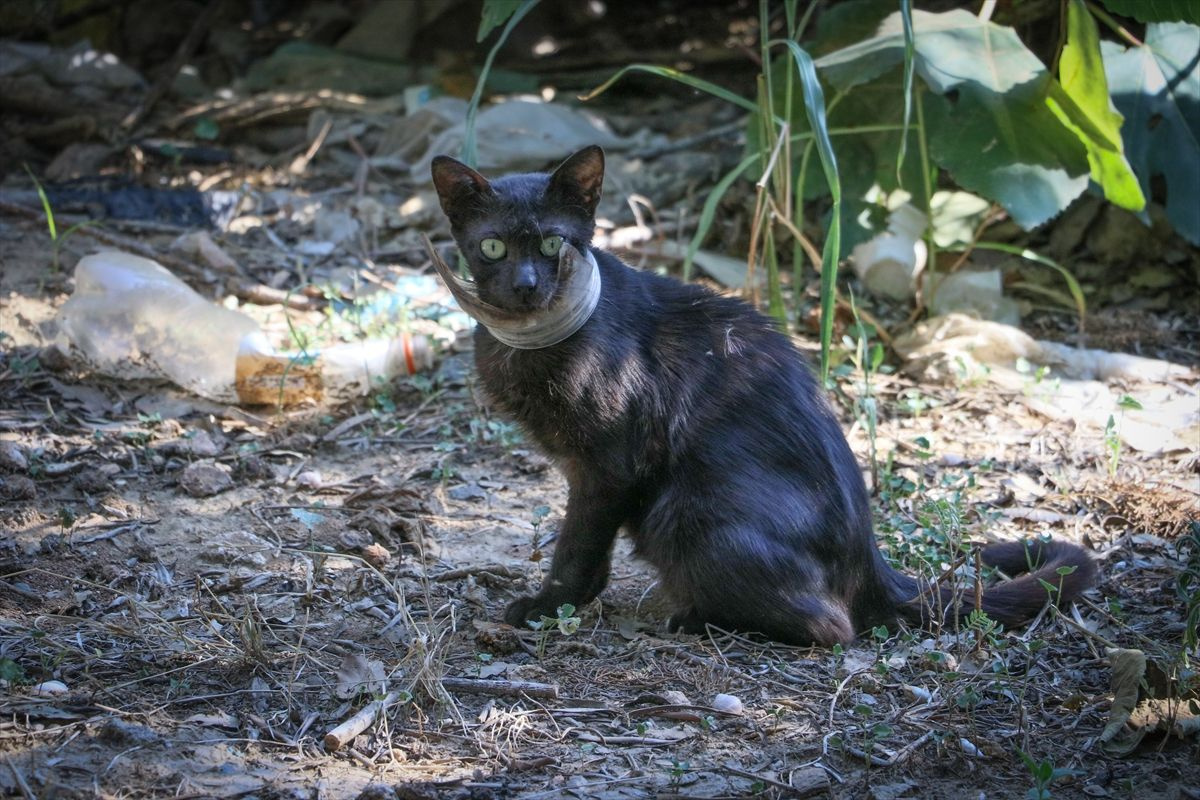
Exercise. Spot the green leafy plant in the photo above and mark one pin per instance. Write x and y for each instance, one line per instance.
(866, 354)
(778, 213)
(1043, 773)
(564, 621)
(1112, 432)
(57, 239)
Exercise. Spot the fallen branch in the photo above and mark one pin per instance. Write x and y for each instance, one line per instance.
(358, 723)
(497, 688)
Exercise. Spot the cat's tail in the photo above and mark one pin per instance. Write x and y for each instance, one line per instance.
(1055, 572)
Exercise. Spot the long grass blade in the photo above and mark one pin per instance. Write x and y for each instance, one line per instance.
(46, 208)
(469, 153)
(909, 52)
(679, 77)
(814, 106)
(1072, 285)
(709, 212)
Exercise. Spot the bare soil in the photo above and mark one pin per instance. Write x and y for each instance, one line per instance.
(205, 645)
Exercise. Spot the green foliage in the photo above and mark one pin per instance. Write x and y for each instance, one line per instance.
(779, 201)
(1094, 120)
(564, 621)
(1157, 87)
(987, 121)
(494, 12)
(1112, 432)
(57, 240)
(1043, 773)
(11, 672)
(1156, 10)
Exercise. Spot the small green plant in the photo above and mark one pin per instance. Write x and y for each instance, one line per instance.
(866, 354)
(879, 635)
(985, 629)
(536, 518)
(1043, 773)
(57, 240)
(1112, 432)
(11, 672)
(564, 621)
(1054, 591)
(679, 771)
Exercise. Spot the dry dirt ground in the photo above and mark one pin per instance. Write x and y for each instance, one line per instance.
(158, 642)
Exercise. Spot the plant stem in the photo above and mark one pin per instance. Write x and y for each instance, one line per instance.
(927, 176)
(1116, 27)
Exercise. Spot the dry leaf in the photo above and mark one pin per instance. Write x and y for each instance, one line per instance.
(356, 674)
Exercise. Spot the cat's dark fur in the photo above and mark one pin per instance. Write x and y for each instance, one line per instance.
(687, 419)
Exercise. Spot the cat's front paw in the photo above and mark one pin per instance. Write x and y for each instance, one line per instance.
(523, 609)
(687, 621)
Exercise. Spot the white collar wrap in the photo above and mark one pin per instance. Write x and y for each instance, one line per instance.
(575, 298)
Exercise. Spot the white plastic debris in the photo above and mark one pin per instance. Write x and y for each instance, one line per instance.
(131, 318)
(890, 264)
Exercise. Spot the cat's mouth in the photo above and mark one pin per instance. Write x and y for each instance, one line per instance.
(575, 297)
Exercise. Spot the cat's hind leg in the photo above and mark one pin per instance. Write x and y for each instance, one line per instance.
(805, 620)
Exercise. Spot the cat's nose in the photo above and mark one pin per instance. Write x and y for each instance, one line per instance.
(525, 281)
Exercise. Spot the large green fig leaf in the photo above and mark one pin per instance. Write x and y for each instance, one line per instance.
(992, 128)
(1088, 110)
(1157, 88)
(1156, 10)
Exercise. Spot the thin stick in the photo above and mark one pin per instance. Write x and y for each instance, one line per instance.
(185, 50)
(25, 790)
(497, 688)
(358, 723)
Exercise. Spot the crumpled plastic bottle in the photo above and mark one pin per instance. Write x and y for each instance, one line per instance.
(130, 317)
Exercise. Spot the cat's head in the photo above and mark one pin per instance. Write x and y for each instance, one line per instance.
(511, 229)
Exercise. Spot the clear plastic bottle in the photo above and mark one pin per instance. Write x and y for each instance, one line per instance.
(129, 317)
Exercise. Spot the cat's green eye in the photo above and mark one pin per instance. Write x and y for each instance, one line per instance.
(551, 245)
(493, 248)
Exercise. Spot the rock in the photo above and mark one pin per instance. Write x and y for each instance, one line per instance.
(124, 734)
(727, 703)
(204, 479)
(49, 688)
(376, 555)
(310, 479)
(12, 457)
(498, 639)
(18, 487)
(468, 491)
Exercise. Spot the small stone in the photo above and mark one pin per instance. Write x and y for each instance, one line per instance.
(497, 639)
(92, 481)
(310, 479)
(376, 555)
(727, 703)
(468, 491)
(12, 457)
(17, 487)
(204, 480)
(49, 688)
(377, 791)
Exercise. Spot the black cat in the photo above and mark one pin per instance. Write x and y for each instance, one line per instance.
(687, 419)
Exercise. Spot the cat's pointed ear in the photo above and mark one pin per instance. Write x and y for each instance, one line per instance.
(456, 183)
(579, 179)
